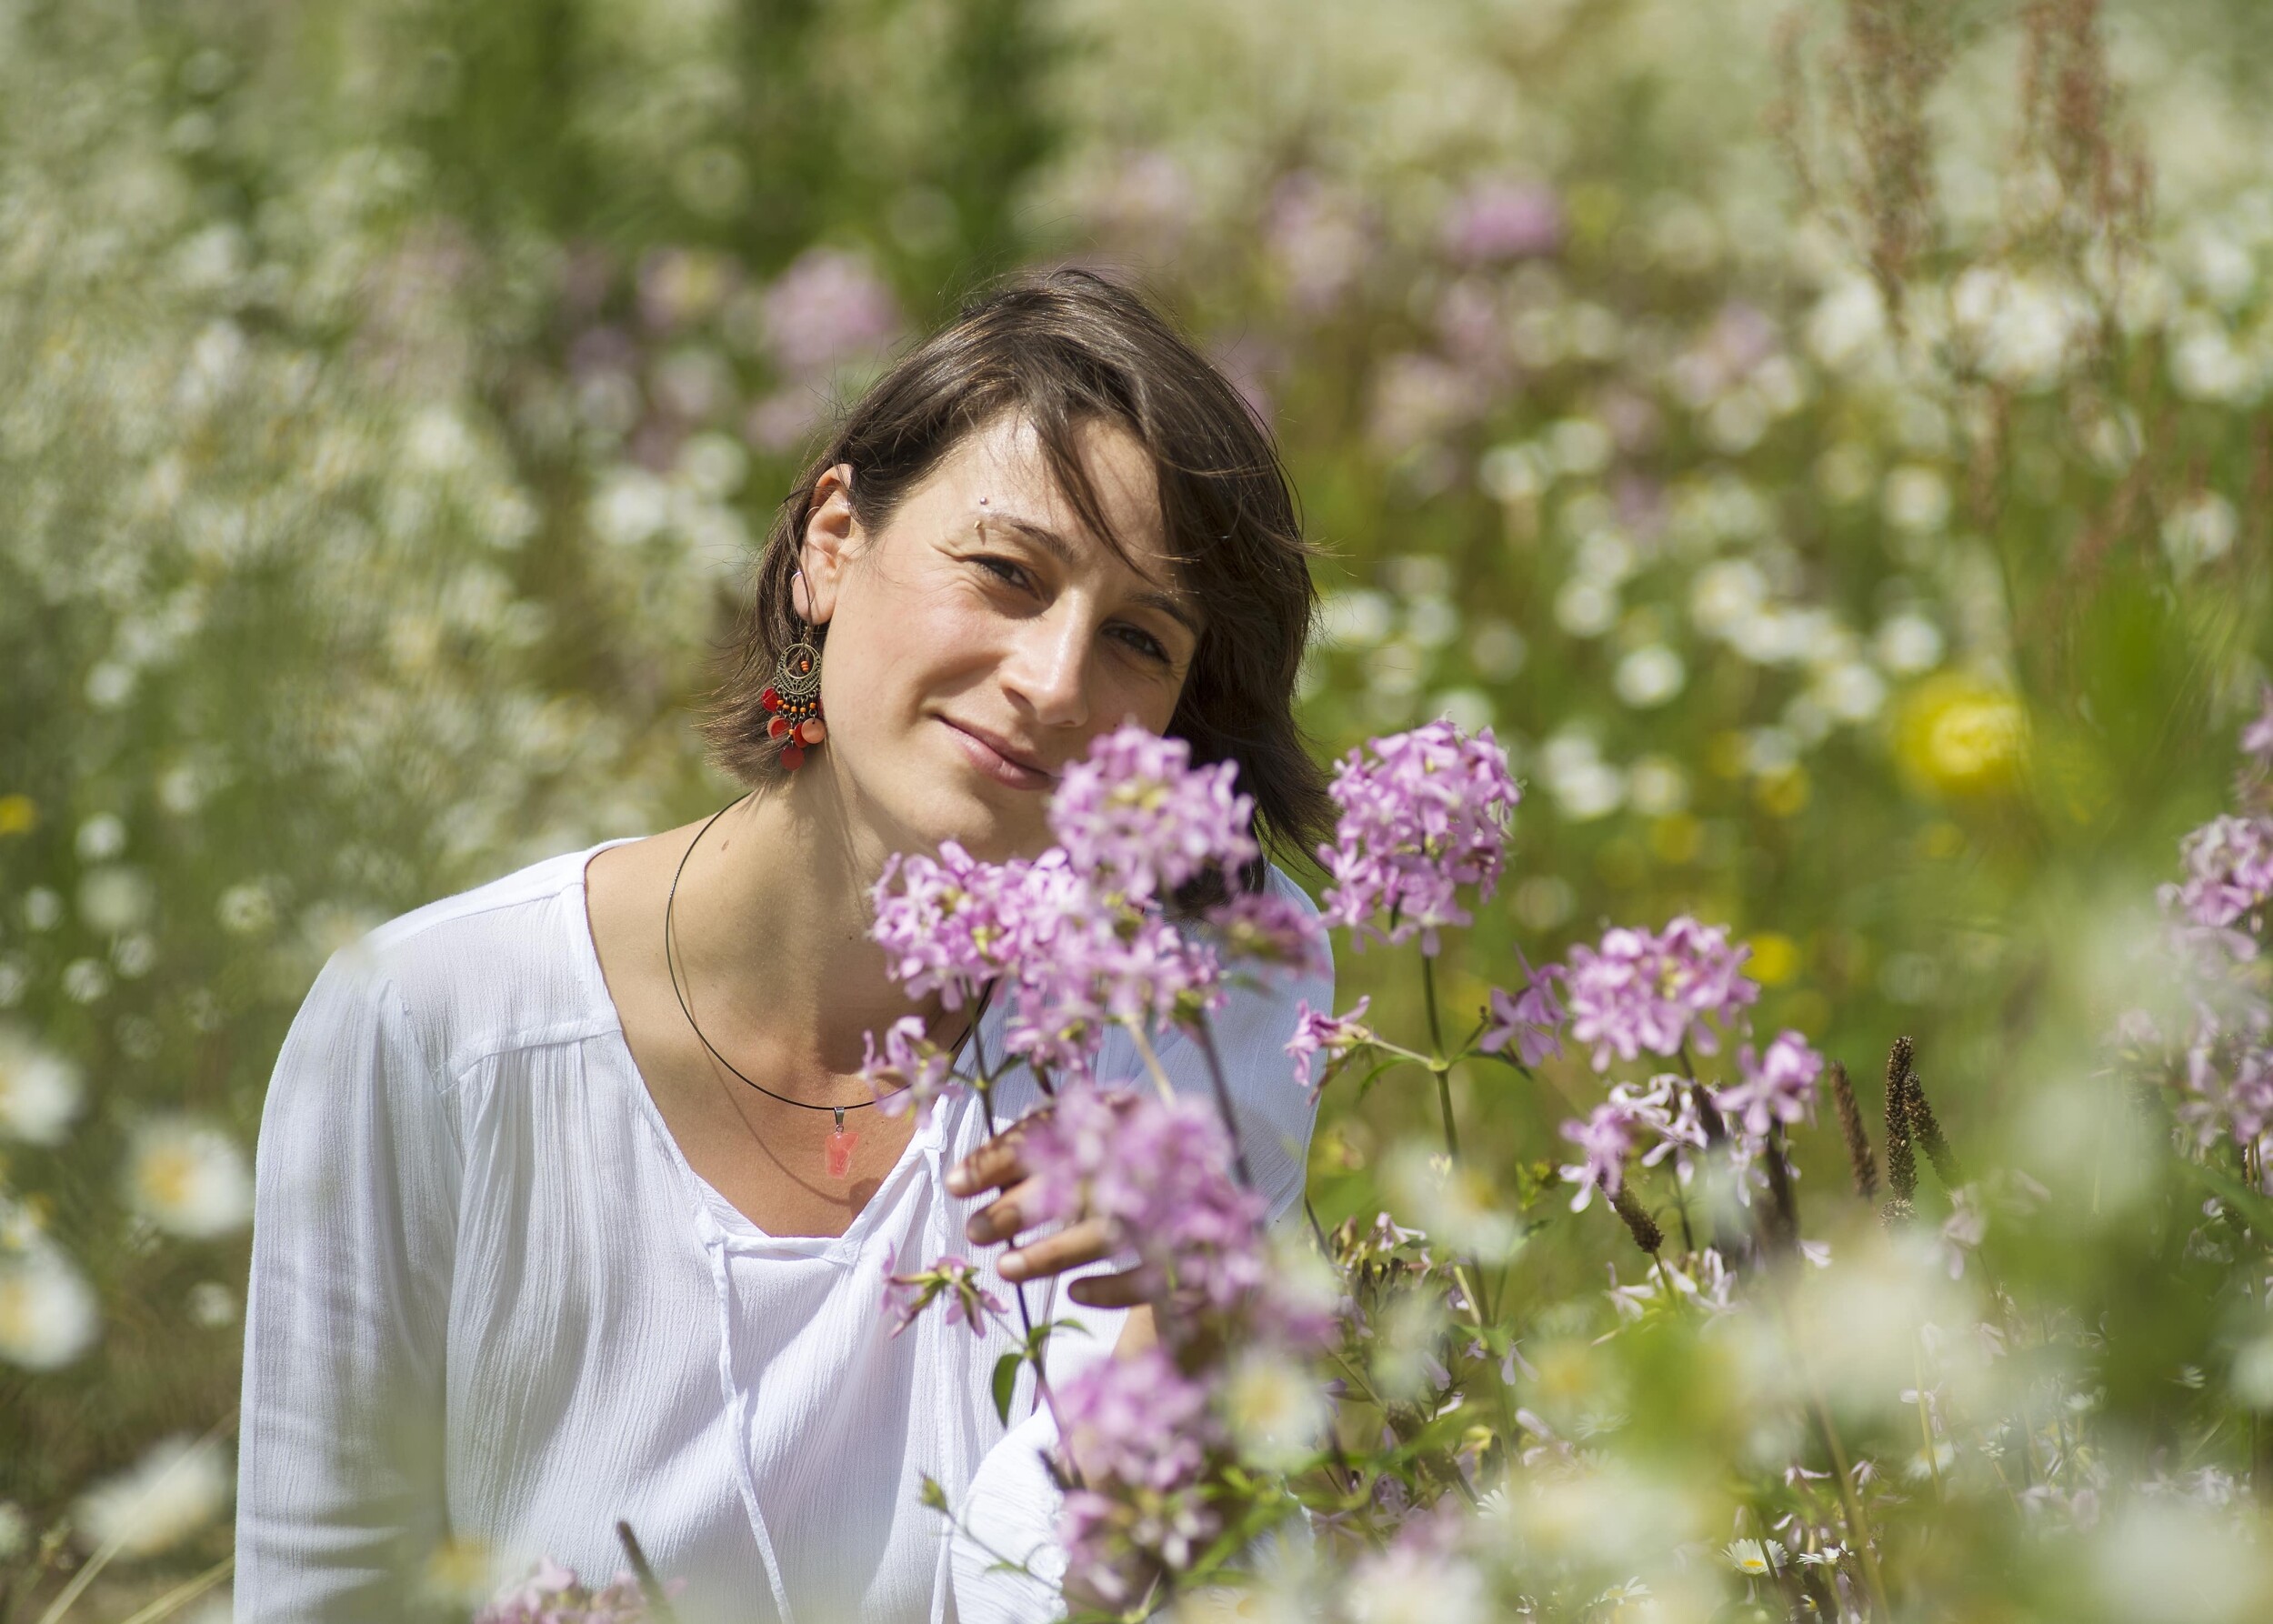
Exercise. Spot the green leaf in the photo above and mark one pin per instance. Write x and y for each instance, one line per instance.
(2252, 1207)
(1365, 1087)
(1006, 1383)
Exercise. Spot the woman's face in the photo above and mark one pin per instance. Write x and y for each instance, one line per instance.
(979, 640)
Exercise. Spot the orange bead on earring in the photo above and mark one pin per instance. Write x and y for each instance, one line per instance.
(795, 700)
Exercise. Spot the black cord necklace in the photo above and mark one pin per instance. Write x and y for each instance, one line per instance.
(837, 1151)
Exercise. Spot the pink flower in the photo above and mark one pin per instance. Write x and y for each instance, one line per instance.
(1639, 992)
(1159, 1172)
(1776, 1087)
(1320, 238)
(2257, 739)
(911, 1071)
(1499, 218)
(1532, 1020)
(554, 1595)
(2229, 872)
(1336, 1036)
(1136, 816)
(1137, 1419)
(828, 308)
(1424, 816)
(1271, 929)
(947, 924)
(952, 1278)
(1606, 1138)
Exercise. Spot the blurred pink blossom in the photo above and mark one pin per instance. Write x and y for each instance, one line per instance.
(1499, 218)
(828, 308)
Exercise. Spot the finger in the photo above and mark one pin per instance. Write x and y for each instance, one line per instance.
(996, 1163)
(1070, 1248)
(1004, 1219)
(1130, 1288)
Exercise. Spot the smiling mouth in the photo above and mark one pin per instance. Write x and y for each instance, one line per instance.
(999, 759)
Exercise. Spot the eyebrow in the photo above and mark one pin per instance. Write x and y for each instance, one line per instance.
(1058, 548)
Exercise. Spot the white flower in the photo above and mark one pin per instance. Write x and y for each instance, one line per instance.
(115, 899)
(1658, 786)
(1748, 1556)
(1725, 595)
(1276, 1410)
(15, 1530)
(177, 1488)
(1908, 643)
(39, 1090)
(2200, 531)
(1848, 324)
(1357, 619)
(1851, 691)
(2021, 327)
(1649, 677)
(1404, 1586)
(1585, 608)
(47, 1316)
(247, 910)
(188, 1178)
(1915, 499)
(630, 507)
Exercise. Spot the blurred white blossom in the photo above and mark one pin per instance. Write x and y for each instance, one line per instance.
(188, 1177)
(39, 1089)
(179, 1486)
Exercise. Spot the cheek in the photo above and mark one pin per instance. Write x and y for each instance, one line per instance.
(891, 649)
(1127, 696)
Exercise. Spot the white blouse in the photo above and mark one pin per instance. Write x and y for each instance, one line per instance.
(491, 1303)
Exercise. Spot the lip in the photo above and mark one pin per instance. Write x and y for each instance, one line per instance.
(998, 758)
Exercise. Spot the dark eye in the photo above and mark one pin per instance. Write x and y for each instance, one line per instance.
(1003, 570)
(1143, 642)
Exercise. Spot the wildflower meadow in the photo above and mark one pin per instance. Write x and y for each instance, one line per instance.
(1793, 491)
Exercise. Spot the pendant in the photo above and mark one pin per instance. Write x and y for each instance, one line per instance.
(837, 1148)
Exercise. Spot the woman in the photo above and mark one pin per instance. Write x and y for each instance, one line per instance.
(553, 1229)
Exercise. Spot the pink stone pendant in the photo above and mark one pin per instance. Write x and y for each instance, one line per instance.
(837, 1148)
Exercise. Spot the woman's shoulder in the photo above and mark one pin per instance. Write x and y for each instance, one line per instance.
(498, 964)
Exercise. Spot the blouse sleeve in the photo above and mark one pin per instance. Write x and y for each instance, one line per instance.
(1010, 1512)
(340, 1484)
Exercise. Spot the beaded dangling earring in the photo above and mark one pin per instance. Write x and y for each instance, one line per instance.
(794, 699)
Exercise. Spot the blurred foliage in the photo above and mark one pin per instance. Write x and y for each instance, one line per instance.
(1827, 444)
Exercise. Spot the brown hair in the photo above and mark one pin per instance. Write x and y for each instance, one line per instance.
(1065, 349)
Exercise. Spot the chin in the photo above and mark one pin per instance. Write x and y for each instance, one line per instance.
(972, 819)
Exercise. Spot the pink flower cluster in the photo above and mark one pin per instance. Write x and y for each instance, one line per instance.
(1423, 815)
(1078, 937)
(1137, 1433)
(2220, 918)
(1139, 819)
(554, 1595)
(2229, 874)
(1663, 1109)
(1643, 992)
(1776, 1087)
(1159, 1171)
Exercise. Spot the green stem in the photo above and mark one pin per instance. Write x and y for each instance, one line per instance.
(1438, 1063)
(1428, 988)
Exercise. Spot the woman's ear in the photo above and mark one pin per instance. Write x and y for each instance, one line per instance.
(830, 531)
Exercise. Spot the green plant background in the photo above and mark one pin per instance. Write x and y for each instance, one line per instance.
(341, 567)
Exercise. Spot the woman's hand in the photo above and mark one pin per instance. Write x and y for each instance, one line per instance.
(999, 1165)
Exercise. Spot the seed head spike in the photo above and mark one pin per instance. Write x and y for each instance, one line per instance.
(1638, 1223)
(1858, 1151)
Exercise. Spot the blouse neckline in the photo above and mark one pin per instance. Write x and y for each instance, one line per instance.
(734, 1227)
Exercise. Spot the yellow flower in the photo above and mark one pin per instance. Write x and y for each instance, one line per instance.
(1960, 736)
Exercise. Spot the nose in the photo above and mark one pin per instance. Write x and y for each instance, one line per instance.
(1047, 671)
